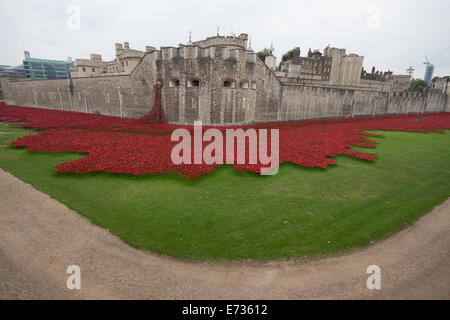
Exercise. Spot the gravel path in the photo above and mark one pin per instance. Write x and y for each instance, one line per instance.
(40, 237)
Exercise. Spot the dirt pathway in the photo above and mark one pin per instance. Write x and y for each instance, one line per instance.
(40, 237)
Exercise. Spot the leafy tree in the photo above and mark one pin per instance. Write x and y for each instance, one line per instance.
(418, 85)
(287, 56)
(263, 54)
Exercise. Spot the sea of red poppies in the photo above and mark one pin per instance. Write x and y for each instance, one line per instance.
(121, 145)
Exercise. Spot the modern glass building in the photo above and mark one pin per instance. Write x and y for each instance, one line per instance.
(45, 69)
(428, 73)
(12, 72)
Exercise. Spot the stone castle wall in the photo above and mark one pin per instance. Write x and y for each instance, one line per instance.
(95, 94)
(254, 93)
(313, 102)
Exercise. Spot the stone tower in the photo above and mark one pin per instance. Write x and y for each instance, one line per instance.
(271, 60)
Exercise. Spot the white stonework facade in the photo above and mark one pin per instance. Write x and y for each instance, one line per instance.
(126, 60)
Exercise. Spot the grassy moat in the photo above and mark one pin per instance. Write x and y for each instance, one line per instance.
(228, 215)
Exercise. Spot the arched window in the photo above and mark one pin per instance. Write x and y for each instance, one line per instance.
(254, 85)
(229, 83)
(244, 85)
(174, 83)
(193, 83)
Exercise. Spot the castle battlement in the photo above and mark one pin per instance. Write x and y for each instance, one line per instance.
(221, 81)
(224, 41)
(197, 52)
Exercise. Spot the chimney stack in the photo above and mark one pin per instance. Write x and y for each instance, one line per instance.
(119, 48)
(296, 56)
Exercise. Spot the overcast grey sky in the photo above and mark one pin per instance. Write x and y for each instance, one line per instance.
(389, 34)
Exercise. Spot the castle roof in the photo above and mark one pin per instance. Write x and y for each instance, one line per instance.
(88, 63)
(132, 53)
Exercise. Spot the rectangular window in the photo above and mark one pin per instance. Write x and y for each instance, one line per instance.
(174, 83)
(193, 83)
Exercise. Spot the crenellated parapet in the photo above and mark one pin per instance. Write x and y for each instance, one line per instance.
(197, 52)
(231, 42)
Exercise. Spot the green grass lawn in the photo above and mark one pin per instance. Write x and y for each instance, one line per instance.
(229, 215)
